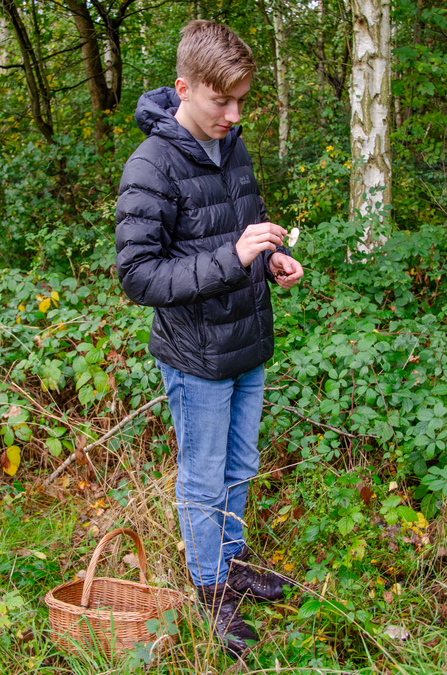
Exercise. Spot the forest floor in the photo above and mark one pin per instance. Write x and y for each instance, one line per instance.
(388, 619)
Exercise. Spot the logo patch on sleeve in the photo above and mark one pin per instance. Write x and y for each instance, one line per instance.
(244, 180)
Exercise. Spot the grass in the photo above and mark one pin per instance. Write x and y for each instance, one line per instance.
(350, 588)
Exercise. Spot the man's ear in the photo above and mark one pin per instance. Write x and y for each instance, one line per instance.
(182, 88)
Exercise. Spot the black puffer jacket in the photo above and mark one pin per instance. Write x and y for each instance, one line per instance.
(179, 217)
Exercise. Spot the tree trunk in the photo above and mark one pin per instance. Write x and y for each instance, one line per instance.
(282, 77)
(4, 34)
(321, 59)
(94, 71)
(270, 37)
(370, 112)
(38, 90)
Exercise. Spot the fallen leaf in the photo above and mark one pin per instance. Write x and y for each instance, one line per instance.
(4, 461)
(11, 462)
(393, 486)
(288, 567)
(66, 481)
(397, 632)
(111, 381)
(180, 546)
(366, 494)
(396, 589)
(389, 597)
(83, 484)
(80, 456)
(81, 574)
(94, 531)
(131, 560)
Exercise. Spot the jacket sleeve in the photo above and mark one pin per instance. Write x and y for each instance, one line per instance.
(146, 216)
(268, 254)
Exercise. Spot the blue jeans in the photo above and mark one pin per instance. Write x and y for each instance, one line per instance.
(216, 425)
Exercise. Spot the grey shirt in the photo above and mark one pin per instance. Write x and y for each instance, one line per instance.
(212, 149)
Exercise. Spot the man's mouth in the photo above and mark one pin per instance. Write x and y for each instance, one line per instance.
(224, 127)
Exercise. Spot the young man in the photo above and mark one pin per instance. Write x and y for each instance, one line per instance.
(193, 241)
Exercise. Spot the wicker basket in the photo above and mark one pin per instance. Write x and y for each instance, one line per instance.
(107, 614)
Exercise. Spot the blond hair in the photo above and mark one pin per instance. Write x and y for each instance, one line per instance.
(213, 54)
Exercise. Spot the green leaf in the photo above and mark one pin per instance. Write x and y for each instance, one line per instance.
(79, 364)
(9, 437)
(94, 356)
(143, 335)
(345, 525)
(86, 394)
(152, 625)
(85, 347)
(100, 381)
(56, 431)
(408, 514)
(55, 446)
(424, 414)
(310, 608)
(311, 533)
(85, 377)
(420, 467)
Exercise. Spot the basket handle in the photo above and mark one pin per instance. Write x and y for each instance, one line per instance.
(88, 581)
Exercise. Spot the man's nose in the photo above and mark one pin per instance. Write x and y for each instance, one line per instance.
(232, 115)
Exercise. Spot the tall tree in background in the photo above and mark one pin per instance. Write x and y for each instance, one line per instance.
(104, 80)
(281, 75)
(370, 112)
(38, 86)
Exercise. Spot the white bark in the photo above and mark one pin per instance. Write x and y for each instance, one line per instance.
(370, 111)
(4, 35)
(282, 76)
(109, 60)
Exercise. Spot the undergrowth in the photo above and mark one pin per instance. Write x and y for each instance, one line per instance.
(350, 498)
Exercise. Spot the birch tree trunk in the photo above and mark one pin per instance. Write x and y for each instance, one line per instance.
(281, 74)
(370, 112)
(4, 35)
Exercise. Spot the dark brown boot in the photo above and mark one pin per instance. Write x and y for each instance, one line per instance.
(242, 579)
(221, 603)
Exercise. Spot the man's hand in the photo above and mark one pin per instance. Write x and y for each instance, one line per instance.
(279, 262)
(258, 238)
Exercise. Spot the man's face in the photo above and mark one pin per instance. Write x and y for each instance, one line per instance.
(208, 114)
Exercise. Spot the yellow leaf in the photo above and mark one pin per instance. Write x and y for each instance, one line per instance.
(396, 589)
(288, 567)
(19, 319)
(422, 522)
(66, 482)
(13, 454)
(21, 307)
(45, 305)
(276, 557)
(39, 555)
(252, 30)
(55, 296)
(39, 297)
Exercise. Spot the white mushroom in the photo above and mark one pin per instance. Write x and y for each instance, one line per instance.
(293, 236)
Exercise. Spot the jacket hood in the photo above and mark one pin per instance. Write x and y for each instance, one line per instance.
(155, 115)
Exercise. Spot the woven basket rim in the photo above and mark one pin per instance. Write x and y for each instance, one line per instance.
(54, 603)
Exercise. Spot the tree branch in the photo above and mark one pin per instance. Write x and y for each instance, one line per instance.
(105, 437)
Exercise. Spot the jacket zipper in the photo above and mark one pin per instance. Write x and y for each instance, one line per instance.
(201, 332)
(229, 195)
